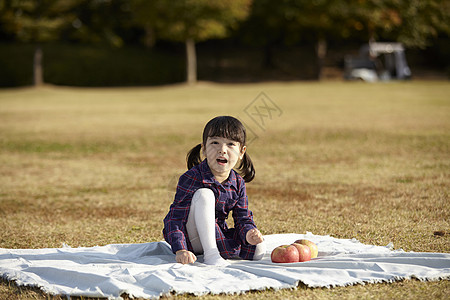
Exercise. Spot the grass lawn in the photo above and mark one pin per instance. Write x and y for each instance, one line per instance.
(91, 167)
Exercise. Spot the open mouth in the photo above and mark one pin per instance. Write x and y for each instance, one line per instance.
(222, 161)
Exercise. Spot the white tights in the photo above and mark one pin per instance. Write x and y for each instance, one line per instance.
(201, 228)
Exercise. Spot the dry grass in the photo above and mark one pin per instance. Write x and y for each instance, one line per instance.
(98, 166)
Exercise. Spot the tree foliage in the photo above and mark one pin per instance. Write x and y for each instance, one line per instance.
(413, 22)
(101, 21)
(265, 23)
(422, 21)
(201, 19)
(37, 20)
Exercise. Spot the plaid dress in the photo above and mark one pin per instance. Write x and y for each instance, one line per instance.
(230, 196)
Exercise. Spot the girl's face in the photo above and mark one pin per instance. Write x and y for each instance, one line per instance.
(222, 155)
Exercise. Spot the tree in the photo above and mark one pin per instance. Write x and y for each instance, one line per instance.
(422, 21)
(322, 18)
(413, 22)
(100, 22)
(269, 25)
(190, 21)
(279, 22)
(37, 21)
(148, 16)
(41, 21)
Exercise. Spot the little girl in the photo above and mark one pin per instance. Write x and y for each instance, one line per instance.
(206, 194)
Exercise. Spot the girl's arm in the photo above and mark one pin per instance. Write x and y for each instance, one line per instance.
(175, 221)
(174, 227)
(243, 217)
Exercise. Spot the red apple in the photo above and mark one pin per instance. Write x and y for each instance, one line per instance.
(311, 245)
(304, 252)
(285, 254)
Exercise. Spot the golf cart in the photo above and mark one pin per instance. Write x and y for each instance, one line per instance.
(378, 61)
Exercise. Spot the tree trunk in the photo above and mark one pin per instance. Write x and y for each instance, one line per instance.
(321, 52)
(149, 38)
(191, 62)
(268, 56)
(38, 77)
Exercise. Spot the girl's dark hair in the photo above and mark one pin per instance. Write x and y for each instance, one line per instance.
(229, 128)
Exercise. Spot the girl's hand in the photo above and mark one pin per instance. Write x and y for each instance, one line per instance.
(254, 237)
(185, 257)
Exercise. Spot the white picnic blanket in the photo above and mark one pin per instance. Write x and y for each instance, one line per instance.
(149, 270)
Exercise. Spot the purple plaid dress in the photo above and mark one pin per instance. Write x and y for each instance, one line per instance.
(230, 196)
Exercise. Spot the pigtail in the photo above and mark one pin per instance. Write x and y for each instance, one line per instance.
(193, 157)
(246, 168)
